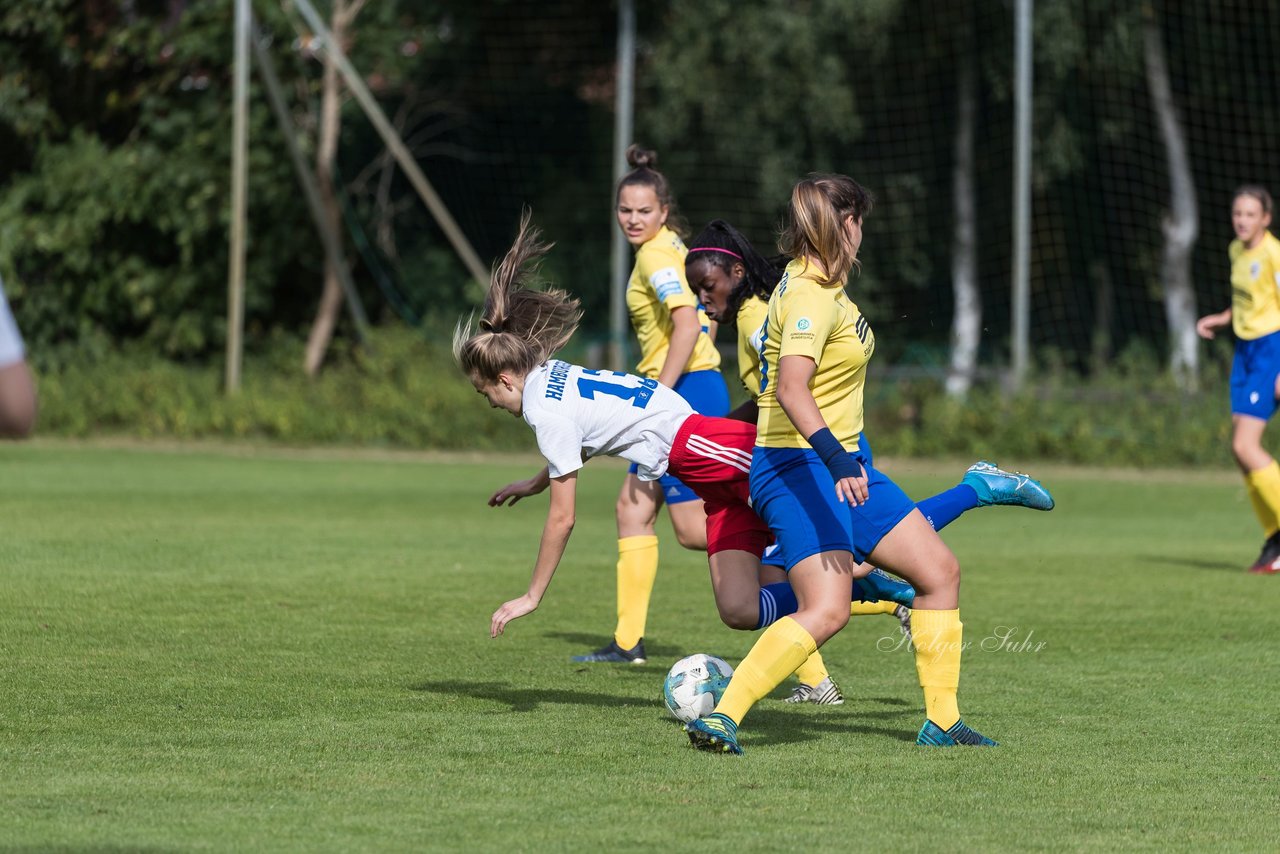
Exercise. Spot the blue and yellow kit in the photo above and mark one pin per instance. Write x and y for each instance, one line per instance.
(807, 319)
(1255, 288)
(658, 285)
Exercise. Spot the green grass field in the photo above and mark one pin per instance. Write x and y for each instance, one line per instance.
(235, 649)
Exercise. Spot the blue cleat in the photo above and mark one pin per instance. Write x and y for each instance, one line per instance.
(716, 733)
(614, 654)
(881, 586)
(997, 486)
(932, 735)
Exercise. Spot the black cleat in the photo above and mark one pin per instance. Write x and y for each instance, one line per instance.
(615, 654)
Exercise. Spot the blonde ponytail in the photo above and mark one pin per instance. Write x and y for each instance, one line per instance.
(519, 328)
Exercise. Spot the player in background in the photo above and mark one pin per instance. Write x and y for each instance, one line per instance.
(813, 484)
(578, 413)
(1254, 317)
(676, 349)
(17, 389)
(734, 283)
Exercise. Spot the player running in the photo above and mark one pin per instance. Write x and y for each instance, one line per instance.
(811, 479)
(734, 283)
(577, 413)
(676, 350)
(1254, 317)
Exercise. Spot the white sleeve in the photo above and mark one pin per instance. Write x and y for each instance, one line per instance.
(559, 440)
(11, 350)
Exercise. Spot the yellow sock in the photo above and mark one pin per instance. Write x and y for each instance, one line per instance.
(938, 638)
(862, 609)
(813, 671)
(781, 649)
(1264, 495)
(637, 567)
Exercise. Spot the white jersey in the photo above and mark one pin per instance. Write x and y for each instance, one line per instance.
(11, 351)
(577, 413)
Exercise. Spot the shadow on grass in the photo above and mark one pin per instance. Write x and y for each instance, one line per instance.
(766, 727)
(1193, 563)
(528, 699)
(584, 643)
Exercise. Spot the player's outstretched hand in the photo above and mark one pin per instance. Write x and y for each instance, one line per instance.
(513, 492)
(1207, 325)
(852, 489)
(509, 611)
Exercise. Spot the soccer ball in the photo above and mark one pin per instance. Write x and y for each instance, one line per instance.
(694, 684)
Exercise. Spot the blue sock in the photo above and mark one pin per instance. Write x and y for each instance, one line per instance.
(946, 507)
(776, 601)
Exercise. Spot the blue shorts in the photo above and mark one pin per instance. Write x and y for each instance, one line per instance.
(793, 492)
(708, 395)
(773, 555)
(1253, 376)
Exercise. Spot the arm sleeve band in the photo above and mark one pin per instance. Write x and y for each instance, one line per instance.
(838, 461)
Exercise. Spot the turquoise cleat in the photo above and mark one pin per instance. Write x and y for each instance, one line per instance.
(996, 486)
(878, 586)
(715, 733)
(932, 735)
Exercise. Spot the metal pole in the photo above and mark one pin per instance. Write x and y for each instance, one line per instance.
(1021, 304)
(624, 110)
(307, 180)
(239, 191)
(395, 145)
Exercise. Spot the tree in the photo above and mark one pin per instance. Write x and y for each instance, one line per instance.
(1182, 225)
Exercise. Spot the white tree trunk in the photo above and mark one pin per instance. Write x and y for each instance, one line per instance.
(966, 322)
(330, 126)
(1182, 224)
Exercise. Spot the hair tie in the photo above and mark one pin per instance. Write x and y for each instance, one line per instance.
(714, 249)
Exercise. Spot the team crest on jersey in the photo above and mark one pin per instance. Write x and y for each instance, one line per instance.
(1254, 269)
(803, 324)
(666, 282)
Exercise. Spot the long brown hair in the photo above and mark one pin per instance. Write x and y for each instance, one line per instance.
(520, 328)
(820, 206)
(644, 172)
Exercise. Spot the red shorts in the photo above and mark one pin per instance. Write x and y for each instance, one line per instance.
(712, 456)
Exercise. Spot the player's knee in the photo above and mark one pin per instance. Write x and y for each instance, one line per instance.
(631, 514)
(946, 573)
(829, 618)
(1242, 448)
(743, 616)
(692, 540)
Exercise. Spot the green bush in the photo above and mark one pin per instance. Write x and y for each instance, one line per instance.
(1130, 414)
(408, 393)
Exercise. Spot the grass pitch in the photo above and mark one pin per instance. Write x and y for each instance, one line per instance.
(227, 651)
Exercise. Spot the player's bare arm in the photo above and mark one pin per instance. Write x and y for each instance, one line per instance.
(521, 489)
(555, 536)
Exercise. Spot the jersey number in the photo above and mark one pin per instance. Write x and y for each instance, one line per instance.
(639, 395)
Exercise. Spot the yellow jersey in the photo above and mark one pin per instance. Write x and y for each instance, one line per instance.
(1255, 288)
(751, 317)
(806, 319)
(658, 286)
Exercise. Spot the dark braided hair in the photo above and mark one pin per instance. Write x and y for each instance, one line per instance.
(722, 245)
